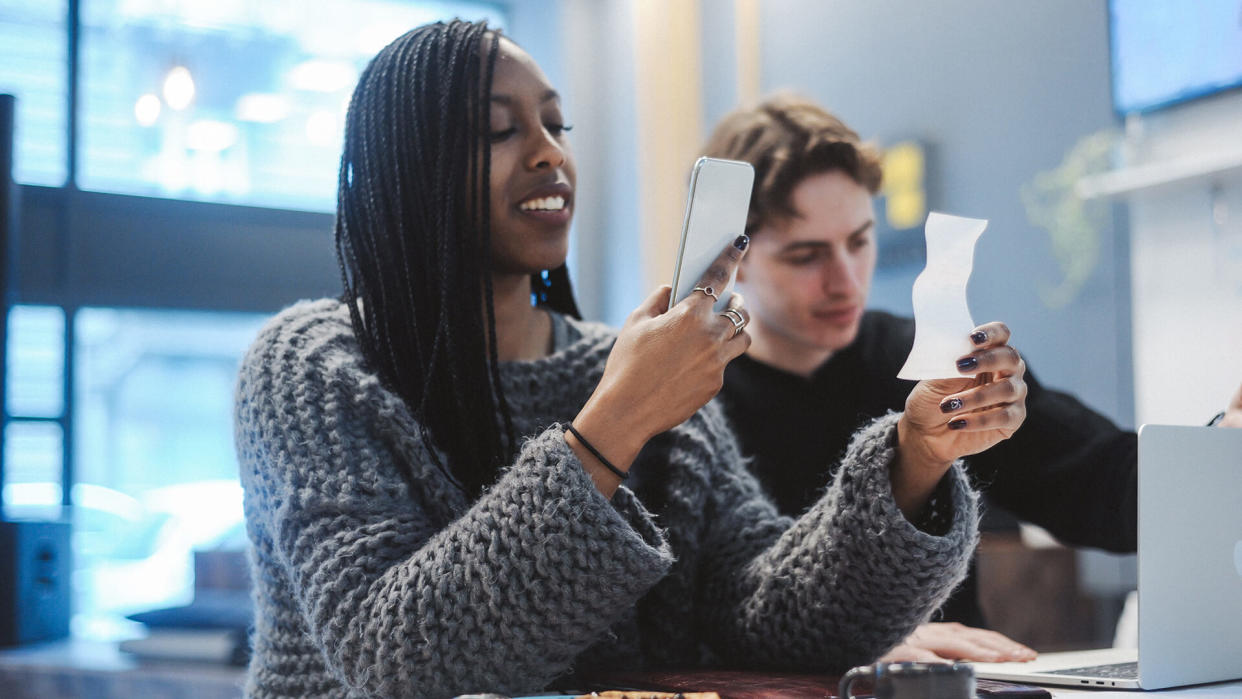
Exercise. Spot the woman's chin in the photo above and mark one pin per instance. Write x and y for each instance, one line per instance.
(531, 259)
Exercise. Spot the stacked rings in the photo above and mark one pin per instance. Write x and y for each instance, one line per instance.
(736, 318)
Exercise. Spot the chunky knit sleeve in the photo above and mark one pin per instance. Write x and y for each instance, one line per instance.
(402, 592)
(844, 582)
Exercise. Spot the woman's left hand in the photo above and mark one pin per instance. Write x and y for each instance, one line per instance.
(947, 419)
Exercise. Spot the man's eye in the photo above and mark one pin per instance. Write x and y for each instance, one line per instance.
(859, 243)
(497, 136)
(801, 260)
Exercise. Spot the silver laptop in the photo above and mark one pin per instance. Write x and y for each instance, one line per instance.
(1189, 572)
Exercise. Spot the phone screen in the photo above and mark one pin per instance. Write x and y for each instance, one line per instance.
(715, 215)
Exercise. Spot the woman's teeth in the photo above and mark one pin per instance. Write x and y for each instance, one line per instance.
(544, 204)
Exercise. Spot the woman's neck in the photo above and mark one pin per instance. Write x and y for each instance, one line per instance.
(523, 332)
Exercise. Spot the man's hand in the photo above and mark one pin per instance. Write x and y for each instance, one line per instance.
(1233, 413)
(946, 642)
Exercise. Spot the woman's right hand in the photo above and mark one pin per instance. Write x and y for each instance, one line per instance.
(666, 364)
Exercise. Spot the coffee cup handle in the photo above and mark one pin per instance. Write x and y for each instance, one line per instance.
(843, 689)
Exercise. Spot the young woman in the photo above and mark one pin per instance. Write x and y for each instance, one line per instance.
(433, 465)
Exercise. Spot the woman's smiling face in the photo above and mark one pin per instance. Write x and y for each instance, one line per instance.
(532, 169)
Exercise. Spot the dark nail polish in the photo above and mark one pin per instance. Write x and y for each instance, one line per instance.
(967, 363)
(979, 338)
(950, 405)
(957, 424)
(741, 242)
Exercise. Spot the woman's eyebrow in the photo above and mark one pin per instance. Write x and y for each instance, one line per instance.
(509, 99)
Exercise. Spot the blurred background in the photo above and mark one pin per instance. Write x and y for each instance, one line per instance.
(175, 165)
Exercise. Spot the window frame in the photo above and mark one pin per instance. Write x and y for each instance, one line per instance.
(73, 249)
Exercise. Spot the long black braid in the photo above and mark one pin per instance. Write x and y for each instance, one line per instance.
(413, 241)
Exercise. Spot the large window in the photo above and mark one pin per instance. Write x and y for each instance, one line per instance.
(120, 419)
(35, 388)
(33, 51)
(155, 475)
(212, 100)
(230, 101)
(153, 429)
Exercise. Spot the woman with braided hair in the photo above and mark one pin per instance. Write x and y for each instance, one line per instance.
(434, 462)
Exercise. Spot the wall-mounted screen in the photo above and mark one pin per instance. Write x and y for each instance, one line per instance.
(1168, 52)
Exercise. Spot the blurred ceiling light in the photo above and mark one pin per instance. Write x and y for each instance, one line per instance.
(147, 109)
(210, 136)
(179, 88)
(321, 128)
(318, 75)
(262, 108)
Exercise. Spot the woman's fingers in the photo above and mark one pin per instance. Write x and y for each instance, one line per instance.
(1006, 418)
(655, 304)
(1003, 360)
(990, 335)
(720, 272)
(1008, 390)
(734, 319)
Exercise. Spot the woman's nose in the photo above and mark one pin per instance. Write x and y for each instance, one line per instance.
(547, 152)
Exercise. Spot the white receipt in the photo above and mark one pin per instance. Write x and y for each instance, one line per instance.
(942, 321)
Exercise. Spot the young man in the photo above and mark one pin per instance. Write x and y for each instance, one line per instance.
(820, 365)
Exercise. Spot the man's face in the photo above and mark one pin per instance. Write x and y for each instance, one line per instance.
(806, 279)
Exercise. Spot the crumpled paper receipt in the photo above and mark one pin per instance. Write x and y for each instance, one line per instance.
(942, 322)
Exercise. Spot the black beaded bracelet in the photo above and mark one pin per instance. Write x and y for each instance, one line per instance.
(1216, 419)
(595, 452)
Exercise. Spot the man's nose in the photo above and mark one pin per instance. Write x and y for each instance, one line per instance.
(837, 277)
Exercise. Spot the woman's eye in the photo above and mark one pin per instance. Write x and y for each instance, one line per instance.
(558, 129)
(859, 243)
(497, 136)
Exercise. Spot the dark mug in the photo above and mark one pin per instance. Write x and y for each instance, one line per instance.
(914, 680)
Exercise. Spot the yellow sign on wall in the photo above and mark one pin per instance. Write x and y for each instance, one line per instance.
(905, 186)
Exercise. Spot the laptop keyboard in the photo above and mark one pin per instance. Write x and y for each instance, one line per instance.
(1116, 671)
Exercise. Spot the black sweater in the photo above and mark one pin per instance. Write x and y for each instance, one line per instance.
(1068, 469)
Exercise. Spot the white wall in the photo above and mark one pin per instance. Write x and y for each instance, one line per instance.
(999, 92)
(1186, 253)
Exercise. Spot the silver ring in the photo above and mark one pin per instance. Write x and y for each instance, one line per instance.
(706, 290)
(739, 323)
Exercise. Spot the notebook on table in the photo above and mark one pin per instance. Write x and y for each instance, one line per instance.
(1189, 572)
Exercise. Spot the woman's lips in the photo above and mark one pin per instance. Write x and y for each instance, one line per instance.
(551, 204)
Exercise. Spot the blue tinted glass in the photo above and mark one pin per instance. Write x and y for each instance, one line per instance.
(33, 454)
(230, 101)
(153, 458)
(33, 47)
(35, 371)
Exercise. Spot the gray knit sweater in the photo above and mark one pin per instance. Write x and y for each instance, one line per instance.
(375, 577)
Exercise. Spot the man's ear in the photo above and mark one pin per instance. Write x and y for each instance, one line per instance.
(741, 271)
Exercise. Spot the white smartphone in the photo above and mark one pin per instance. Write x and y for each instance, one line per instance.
(716, 212)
